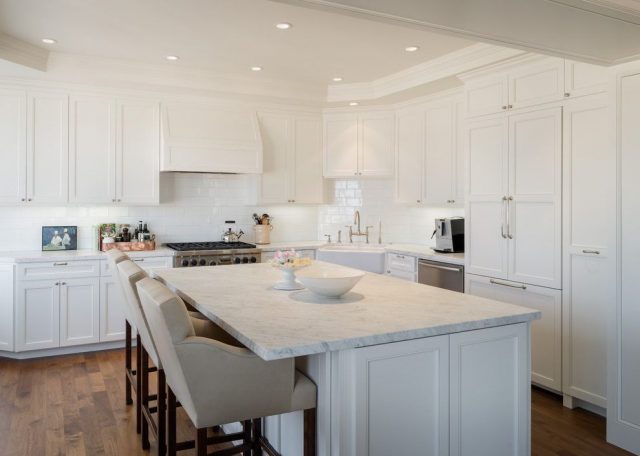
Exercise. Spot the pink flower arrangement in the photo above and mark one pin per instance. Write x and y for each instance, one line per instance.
(289, 259)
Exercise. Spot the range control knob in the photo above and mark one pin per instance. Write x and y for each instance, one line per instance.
(212, 263)
(203, 262)
(245, 260)
(194, 262)
(254, 259)
(185, 263)
(237, 260)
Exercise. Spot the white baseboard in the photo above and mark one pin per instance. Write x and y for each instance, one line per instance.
(64, 350)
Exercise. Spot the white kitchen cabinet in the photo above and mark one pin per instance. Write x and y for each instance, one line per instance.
(533, 82)
(359, 144)
(514, 182)
(386, 417)
(6, 307)
(112, 311)
(37, 309)
(47, 147)
(489, 370)
(292, 160)
(13, 128)
(546, 333)
(137, 152)
(589, 268)
(583, 79)
(92, 167)
(79, 311)
(428, 167)
(402, 266)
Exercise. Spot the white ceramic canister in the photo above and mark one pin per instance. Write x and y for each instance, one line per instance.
(263, 234)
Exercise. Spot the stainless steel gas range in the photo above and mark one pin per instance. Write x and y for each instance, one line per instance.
(213, 253)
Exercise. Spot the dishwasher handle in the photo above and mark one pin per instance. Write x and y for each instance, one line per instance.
(437, 266)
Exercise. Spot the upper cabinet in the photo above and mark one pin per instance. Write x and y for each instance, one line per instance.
(428, 166)
(13, 125)
(292, 159)
(210, 138)
(530, 82)
(359, 144)
(114, 151)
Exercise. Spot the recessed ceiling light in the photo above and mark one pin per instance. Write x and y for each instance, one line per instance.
(337, 79)
(354, 103)
(172, 57)
(256, 68)
(283, 25)
(411, 48)
(49, 41)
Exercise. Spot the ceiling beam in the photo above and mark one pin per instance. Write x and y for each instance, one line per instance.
(23, 53)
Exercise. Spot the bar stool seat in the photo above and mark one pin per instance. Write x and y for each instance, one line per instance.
(218, 383)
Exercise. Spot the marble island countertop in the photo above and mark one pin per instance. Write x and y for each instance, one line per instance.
(279, 324)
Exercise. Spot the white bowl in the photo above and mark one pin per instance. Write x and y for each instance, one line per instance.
(332, 282)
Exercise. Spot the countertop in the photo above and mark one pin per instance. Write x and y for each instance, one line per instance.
(88, 254)
(380, 309)
(426, 253)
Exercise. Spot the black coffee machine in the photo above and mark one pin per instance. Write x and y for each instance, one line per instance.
(449, 235)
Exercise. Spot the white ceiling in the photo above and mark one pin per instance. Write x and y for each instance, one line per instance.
(227, 36)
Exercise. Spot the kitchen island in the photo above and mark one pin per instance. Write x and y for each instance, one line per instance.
(401, 368)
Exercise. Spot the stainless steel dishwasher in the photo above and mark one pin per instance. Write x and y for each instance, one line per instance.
(441, 275)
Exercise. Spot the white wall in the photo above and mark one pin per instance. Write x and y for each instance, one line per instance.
(374, 199)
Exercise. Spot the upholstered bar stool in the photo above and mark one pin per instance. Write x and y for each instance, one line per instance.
(130, 273)
(217, 383)
(115, 256)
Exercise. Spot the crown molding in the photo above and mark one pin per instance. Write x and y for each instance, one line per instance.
(23, 53)
(463, 60)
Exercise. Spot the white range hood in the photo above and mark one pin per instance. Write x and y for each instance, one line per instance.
(210, 138)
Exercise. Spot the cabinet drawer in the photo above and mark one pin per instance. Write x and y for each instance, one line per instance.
(399, 262)
(58, 270)
(410, 276)
(145, 263)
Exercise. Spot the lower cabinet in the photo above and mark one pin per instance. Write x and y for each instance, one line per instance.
(37, 315)
(546, 333)
(79, 311)
(6, 307)
(112, 311)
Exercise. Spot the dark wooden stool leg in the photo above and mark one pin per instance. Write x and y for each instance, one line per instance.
(201, 442)
(310, 432)
(171, 423)
(145, 397)
(246, 429)
(257, 436)
(138, 384)
(162, 415)
(127, 361)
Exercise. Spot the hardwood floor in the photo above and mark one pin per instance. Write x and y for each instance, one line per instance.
(74, 405)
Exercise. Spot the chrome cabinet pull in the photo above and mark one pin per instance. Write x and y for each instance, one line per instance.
(592, 252)
(504, 218)
(138, 259)
(509, 235)
(495, 282)
(60, 264)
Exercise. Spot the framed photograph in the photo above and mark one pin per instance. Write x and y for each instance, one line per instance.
(59, 238)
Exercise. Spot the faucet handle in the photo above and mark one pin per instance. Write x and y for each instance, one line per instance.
(328, 236)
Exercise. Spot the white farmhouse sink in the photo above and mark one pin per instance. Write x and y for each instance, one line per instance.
(366, 257)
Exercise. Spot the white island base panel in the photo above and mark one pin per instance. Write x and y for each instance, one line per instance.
(462, 394)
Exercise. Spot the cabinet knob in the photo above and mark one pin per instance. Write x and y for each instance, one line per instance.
(510, 106)
(57, 283)
(29, 199)
(113, 200)
(418, 201)
(567, 94)
(23, 199)
(504, 107)
(63, 283)
(119, 200)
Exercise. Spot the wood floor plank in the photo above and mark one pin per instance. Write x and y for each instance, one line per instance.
(74, 406)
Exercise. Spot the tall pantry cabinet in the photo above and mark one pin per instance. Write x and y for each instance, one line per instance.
(539, 194)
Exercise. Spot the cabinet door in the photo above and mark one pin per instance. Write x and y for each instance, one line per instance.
(13, 152)
(583, 79)
(79, 311)
(375, 151)
(92, 150)
(112, 310)
(487, 186)
(37, 315)
(402, 398)
(138, 152)
(409, 157)
(546, 333)
(460, 166)
(308, 183)
(439, 155)
(489, 371)
(6, 307)
(276, 131)
(536, 83)
(48, 147)
(488, 95)
(589, 268)
(341, 145)
(535, 186)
